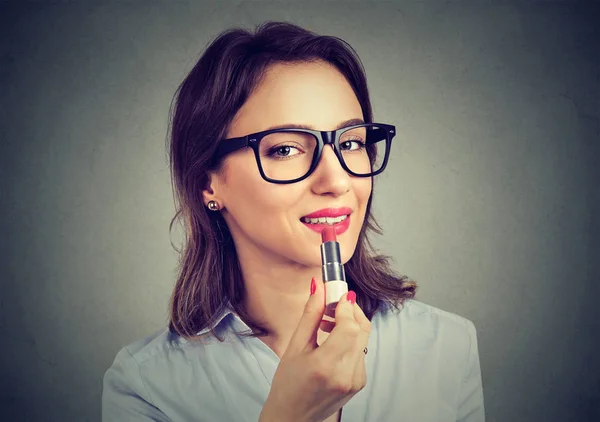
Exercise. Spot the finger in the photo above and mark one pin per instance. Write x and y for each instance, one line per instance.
(305, 335)
(360, 371)
(364, 323)
(363, 341)
(343, 337)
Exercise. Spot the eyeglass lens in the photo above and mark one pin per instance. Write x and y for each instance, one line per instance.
(288, 155)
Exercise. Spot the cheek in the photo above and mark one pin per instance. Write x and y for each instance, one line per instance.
(250, 195)
(362, 187)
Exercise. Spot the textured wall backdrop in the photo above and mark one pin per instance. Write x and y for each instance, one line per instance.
(490, 202)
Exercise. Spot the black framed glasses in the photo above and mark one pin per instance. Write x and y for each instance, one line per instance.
(291, 155)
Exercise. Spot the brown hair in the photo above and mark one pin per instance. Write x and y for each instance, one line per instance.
(205, 104)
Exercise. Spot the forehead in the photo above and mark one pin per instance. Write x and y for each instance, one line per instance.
(314, 94)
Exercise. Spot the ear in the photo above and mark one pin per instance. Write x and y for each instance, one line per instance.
(210, 187)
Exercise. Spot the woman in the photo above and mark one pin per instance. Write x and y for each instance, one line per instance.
(248, 337)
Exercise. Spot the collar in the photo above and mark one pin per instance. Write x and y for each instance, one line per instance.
(226, 309)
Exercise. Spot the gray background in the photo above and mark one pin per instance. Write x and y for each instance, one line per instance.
(490, 201)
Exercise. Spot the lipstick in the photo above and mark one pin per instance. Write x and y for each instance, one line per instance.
(333, 270)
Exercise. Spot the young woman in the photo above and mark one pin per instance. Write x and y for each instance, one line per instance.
(272, 139)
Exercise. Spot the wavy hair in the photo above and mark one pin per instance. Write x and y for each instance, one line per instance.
(203, 107)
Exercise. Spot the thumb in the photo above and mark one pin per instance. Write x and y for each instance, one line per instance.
(305, 336)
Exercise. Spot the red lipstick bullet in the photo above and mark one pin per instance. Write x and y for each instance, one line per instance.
(333, 270)
(328, 234)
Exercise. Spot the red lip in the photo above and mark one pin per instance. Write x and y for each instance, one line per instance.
(330, 212)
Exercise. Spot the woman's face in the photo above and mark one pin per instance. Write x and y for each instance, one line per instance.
(265, 217)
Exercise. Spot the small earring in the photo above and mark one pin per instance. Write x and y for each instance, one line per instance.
(213, 206)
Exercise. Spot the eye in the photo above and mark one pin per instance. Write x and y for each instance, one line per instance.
(282, 151)
(347, 145)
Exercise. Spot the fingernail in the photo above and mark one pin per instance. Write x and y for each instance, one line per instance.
(351, 296)
(313, 286)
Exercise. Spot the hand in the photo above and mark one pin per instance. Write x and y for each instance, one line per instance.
(313, 382)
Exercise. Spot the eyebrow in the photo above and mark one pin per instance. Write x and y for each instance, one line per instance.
(343, 124)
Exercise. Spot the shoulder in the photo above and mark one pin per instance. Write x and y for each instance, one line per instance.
(158, 346)
(158, 354)
(424, 326)
(146, 347)
(417, 312)
(436, 352)
(420, 311)
(145, 373)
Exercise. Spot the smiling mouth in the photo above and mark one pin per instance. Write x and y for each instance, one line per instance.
(324, 220)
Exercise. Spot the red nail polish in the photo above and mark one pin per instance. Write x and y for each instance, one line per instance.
(313, 286)
(351, 296)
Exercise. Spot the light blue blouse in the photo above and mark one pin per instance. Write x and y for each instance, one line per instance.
(422, 366)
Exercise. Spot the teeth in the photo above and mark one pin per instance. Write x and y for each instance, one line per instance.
(324, 220)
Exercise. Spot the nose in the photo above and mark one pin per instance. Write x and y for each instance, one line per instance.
(329, 176)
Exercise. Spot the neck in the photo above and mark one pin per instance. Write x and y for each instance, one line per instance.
(275, 293)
